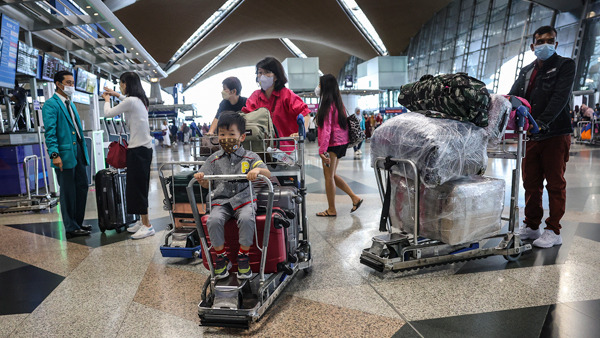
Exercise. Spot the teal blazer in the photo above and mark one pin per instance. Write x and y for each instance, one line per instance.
(60, 133)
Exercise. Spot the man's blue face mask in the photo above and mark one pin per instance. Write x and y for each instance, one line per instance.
(545, 51)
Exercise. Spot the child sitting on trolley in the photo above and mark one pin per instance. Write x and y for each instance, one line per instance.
(232, 199)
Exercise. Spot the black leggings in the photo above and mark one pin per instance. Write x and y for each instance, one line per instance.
(138, 179)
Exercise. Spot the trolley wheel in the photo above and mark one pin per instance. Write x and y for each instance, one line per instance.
(515, 257)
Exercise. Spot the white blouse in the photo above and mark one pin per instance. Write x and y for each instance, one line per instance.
(137, 120)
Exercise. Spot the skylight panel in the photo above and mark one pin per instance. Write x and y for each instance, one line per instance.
(203, 30)
(364, 25)
(212, 63)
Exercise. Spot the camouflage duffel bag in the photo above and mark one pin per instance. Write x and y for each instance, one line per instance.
(452, 96)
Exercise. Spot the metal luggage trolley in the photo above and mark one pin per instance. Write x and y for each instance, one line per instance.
(395, 251)
(181, 240)
(37, 201)
(594, 139)
(231, 302)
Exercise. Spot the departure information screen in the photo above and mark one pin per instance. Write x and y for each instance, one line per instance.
(9, 33)
(27, 59)
(53, 65)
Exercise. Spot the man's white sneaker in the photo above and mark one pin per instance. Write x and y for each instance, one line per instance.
(135, 227)
(548, 239)
(528, 233)
(143, 232)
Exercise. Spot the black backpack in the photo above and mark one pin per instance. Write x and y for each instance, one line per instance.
(451, 96)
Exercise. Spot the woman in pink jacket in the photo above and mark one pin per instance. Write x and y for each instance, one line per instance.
(332, 126)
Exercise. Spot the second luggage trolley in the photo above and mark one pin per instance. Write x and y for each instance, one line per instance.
(181, 239)
(281, 246)
(400, 251)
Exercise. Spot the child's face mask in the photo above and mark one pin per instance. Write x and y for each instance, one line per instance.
(229, 144)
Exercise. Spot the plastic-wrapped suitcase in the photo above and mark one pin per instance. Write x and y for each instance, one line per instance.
(276, 252)
(110, 200)
(458, 211)
(286, 199)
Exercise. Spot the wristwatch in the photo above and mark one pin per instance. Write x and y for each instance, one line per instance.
(54, 155)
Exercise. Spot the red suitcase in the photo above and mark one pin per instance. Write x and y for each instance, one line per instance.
(276, 252)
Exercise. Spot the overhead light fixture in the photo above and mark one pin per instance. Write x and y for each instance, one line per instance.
(131, 48)
(120, 37)
(112, 29)
(88, 7)
(293, 48)
(95, 14)
(212, 63)
(174, 68)
(153, 79)
(363, 24)
(136, 53)
(213, 21)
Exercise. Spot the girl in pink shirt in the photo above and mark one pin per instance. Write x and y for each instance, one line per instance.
(332, 127)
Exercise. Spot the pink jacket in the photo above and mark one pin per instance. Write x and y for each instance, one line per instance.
(331, 134)
(284, 106)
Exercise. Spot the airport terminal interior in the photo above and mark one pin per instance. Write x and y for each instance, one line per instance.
(366, 272)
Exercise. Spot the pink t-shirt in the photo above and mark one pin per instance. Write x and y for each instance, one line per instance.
(331, 134)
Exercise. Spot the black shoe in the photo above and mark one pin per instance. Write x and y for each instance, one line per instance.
(244, 271)
(222, 268)
(77, 233)
(86, 227)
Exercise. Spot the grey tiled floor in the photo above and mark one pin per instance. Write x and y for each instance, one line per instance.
(126, 288)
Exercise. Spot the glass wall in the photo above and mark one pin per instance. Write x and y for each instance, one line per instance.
(490, 39)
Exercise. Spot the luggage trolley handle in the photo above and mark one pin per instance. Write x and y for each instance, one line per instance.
(165, 189)
(205, 251)
(26, 161)
(522, 113)
(385, 192)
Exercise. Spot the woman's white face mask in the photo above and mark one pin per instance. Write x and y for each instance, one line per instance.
(318, 91)
(266, 82)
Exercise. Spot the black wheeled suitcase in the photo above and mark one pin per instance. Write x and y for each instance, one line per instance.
(311, 136)
(286, 198)
(110, 200)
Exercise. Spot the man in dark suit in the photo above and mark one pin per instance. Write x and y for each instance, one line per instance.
(68, 151)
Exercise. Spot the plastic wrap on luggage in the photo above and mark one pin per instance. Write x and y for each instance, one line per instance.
(498, 116)
(442, 149)
(460, 211)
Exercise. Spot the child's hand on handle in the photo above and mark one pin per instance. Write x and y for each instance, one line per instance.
(199, 176)
(253, 174)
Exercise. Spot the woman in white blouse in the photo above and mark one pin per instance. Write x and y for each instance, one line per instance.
(134, 104)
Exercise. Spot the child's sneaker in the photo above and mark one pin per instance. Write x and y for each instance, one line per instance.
(222, 268)
(244, 271)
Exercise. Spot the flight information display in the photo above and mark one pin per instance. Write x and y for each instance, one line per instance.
(9, 33)
(92, 83)
(81, 80)
(53, 65)
(27, 59)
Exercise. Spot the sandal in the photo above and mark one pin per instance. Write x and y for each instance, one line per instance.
(356, 206)
(325, 214)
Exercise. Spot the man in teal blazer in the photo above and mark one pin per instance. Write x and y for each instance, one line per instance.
(68, 151)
